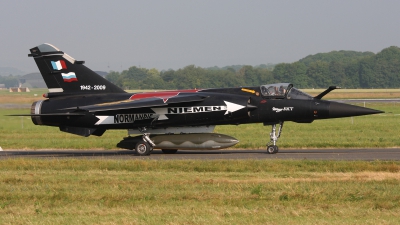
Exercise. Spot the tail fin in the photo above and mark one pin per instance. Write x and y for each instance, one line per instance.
(65, 75)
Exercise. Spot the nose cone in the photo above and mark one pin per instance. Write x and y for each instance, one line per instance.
(337, 110)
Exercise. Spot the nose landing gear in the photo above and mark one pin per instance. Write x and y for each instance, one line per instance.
(273, 149)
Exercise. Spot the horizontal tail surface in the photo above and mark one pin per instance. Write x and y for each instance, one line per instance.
(65, 75)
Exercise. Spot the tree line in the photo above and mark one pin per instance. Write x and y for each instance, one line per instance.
(9, 81)
(348, 69)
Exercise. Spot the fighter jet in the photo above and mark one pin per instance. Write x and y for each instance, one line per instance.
(81, 102)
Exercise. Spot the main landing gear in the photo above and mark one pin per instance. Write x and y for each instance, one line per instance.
(145, 146)
(273, 149)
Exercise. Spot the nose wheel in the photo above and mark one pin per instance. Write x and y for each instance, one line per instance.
(272, 148)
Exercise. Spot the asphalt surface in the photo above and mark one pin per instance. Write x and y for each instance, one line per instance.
(312, 154)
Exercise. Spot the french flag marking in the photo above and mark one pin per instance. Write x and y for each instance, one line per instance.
(59, 65)
(69, 77)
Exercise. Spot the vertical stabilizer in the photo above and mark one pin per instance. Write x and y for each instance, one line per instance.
(65, 75)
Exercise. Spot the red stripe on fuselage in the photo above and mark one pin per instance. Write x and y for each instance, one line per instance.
(164, 95)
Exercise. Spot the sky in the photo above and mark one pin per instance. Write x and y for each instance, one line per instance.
(171, 34)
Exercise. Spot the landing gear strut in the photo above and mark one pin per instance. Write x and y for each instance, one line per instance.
(273, 149)
(145, 146)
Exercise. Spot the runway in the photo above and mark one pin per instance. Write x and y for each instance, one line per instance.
(369, 154)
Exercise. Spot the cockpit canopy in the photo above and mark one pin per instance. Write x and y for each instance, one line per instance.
(283, 90)
(278, 90)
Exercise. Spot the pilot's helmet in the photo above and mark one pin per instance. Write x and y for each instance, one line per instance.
(281, 90)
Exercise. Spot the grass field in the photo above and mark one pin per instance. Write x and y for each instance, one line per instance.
(198, 192)
(357, 93)
(143, 191)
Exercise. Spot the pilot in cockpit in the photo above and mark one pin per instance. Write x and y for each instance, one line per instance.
(282, 90)
(275, 90)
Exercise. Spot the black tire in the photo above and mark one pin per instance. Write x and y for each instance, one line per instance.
(169, 151)
(272, 149)
(142, 148)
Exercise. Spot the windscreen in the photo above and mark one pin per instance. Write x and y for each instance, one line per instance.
(295, 93)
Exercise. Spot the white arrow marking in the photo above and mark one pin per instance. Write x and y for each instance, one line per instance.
(232, 107)
(105, 120)
(161, 113)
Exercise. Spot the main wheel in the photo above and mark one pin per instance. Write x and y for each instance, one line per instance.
(169, 151)
(272, 149)
(143, 148)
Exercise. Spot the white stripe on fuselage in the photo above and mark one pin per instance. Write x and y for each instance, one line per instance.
(160, 113)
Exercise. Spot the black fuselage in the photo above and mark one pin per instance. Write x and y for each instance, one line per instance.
(212, 110)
